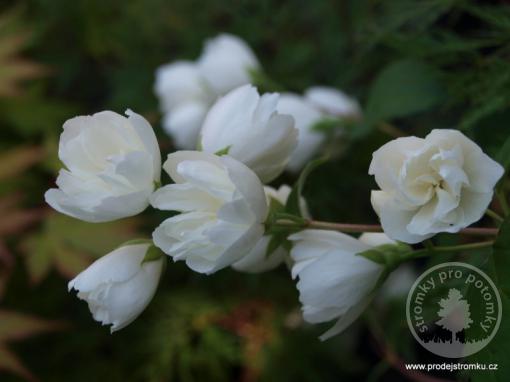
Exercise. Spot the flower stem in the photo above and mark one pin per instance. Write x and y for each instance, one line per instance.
(494, 215)
(448, 248)
(502, 200)
(352, 228)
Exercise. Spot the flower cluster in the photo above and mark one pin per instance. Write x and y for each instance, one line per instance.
(187, 89)
(223, 215)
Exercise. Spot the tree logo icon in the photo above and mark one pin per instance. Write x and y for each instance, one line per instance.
(454, 313)
(453, 310)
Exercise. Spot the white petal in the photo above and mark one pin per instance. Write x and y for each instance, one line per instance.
(173, 160)
(375, 239)
(179, 83)
(248, 185)
(184, 123)
(332, 101)
(146, 134)
(394, 219)
(256, 260)
(117, 266)
(483, 172)
(183, 198)
(347, 319)
(226, 62)
(305, 116)
(388, 161)
(228, 119)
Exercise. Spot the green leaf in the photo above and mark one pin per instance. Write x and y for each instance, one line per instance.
(293, 201)
(69, 245)
(403, 88)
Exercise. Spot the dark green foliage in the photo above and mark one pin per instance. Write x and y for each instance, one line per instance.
(414, 65)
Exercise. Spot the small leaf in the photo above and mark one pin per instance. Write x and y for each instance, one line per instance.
(293, 201)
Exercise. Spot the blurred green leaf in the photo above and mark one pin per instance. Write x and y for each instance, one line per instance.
(70, 245)
(403, 88)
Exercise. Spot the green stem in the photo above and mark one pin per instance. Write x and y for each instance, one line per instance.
(449, 248)
(494, 215)
(502, 200)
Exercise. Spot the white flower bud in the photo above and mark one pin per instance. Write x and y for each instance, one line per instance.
(187, 89)
(334, 282)
(119, 286)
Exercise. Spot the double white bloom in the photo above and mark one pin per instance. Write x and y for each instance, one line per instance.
(442, 183)
(334, 282)
(187, 89)
(250, 129)
(318, 103)
(223, 208)
(113, 163)
(119, 286)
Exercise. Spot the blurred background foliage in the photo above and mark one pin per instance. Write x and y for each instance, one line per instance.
(414, 65)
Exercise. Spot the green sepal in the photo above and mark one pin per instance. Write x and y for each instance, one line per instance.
(326, 125)
(223, 151)
(388, 255)
(135, 242)
(263, 82)
(153, 254)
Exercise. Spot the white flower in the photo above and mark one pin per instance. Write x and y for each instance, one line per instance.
(249, 127)
(442, 183)
(187, 89)
(226, 63)
(185, 99)
(222, 205)
(334, 282)
(256, 260)
(113, 163)
(333, 102)
(119, 285)
(305, 116)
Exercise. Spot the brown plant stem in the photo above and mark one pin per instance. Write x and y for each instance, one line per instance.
(353, 228)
